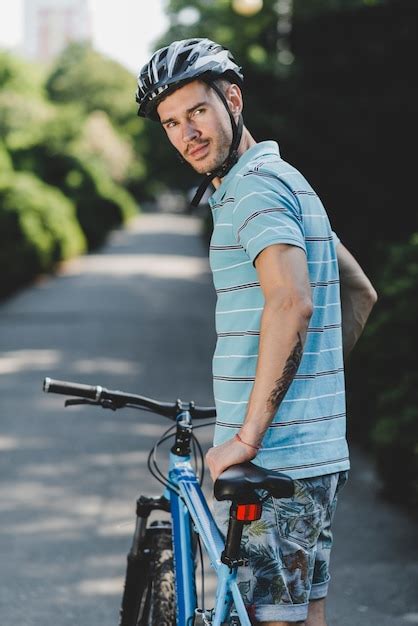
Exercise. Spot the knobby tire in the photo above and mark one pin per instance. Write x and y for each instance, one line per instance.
(149, 594)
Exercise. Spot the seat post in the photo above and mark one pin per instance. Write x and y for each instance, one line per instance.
(239, 515)
(241, 485)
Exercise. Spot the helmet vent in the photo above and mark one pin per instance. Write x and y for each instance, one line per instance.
(180, 64)
(193, 58)
(163, 54)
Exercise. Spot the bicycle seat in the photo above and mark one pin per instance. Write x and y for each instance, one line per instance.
(239, 484)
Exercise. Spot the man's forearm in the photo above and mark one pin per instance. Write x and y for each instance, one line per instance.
(356, 305)
(282, 335)
(357, 298)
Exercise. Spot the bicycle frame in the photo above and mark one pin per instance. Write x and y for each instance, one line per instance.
(184, 499)
(191, 506)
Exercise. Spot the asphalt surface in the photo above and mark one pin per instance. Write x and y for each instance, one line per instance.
(138, 316)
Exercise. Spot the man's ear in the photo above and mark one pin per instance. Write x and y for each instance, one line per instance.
(234, 97)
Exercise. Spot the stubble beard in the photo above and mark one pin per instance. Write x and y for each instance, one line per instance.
(219, 151)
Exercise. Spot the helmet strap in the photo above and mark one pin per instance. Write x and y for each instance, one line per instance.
(232, 157)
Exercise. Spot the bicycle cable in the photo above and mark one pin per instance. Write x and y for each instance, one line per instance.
(152, 462)
(194, 454)
(153, 465)
(156, 471)
(202, 571)
(197, 448)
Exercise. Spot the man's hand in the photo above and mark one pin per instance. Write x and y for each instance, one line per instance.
(229, 453)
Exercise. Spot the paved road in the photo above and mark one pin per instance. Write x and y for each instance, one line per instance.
(137, 316)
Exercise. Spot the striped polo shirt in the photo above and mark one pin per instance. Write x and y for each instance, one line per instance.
(263, 201)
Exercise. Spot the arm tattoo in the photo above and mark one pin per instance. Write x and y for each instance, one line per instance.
(289, 371)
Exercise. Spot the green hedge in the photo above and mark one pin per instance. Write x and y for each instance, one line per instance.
(101, 205)
(38, 228)
(5, 160)
(395, 434)
(69, 201)
(384, 408)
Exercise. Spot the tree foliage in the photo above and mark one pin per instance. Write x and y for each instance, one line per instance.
(384, 367)
(6, 164)
(100, 203)
(23, 106)
(96, 83)
(38, 229)
(69, 148)
(19, 76)
(88, 80)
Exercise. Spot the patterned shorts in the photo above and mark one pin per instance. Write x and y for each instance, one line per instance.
(288, 549)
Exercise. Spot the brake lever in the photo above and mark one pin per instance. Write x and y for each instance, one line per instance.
(75, 401)
(105, 404)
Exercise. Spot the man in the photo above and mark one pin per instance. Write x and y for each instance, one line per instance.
(278, 364)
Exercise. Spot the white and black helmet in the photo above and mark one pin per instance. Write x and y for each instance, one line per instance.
(179, 63)
(182, 62)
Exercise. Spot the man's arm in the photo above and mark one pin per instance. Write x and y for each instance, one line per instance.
(357, 298)
(283, 275)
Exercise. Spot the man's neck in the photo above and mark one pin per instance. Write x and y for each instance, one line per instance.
(247, 141)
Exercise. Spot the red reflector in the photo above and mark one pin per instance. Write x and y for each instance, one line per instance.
(248, 512)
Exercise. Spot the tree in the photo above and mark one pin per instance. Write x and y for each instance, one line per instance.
(88, 80)
(94, 82)
(20, 76)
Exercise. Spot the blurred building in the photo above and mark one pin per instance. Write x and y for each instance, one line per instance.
(49, 25)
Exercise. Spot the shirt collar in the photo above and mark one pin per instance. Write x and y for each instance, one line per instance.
(259, 149)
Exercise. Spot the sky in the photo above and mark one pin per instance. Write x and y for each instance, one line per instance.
(123, 29)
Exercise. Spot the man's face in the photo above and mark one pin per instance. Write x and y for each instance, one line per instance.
(198, 125)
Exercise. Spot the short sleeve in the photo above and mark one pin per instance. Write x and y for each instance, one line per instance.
(335, 238)
(266, 212)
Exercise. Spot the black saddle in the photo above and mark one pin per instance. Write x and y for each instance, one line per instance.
(240, 483)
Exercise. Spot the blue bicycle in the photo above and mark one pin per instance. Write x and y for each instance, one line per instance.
(160, 587)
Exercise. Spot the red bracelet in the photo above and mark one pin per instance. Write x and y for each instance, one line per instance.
(245, 443)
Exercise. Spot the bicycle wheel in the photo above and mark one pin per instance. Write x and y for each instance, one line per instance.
(160, 600)
(149, 595)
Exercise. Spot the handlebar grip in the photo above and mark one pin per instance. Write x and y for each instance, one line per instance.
(72, 389)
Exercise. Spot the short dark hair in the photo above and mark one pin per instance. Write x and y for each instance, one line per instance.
(222, 83)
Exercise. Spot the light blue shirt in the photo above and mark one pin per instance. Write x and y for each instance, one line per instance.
(263, 201)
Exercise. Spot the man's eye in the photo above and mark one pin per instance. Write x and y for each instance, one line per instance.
(170, 124)
(199, 111)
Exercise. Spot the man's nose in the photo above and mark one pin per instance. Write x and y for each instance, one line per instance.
(190, 132)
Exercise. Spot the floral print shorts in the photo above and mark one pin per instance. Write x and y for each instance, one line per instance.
(288, 549)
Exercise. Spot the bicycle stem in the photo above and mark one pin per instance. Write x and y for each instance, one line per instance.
(183, 435)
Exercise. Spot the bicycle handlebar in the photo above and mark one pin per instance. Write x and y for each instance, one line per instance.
(119, 399)
(72, 389)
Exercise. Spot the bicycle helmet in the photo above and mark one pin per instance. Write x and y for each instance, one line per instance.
(179, 63)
